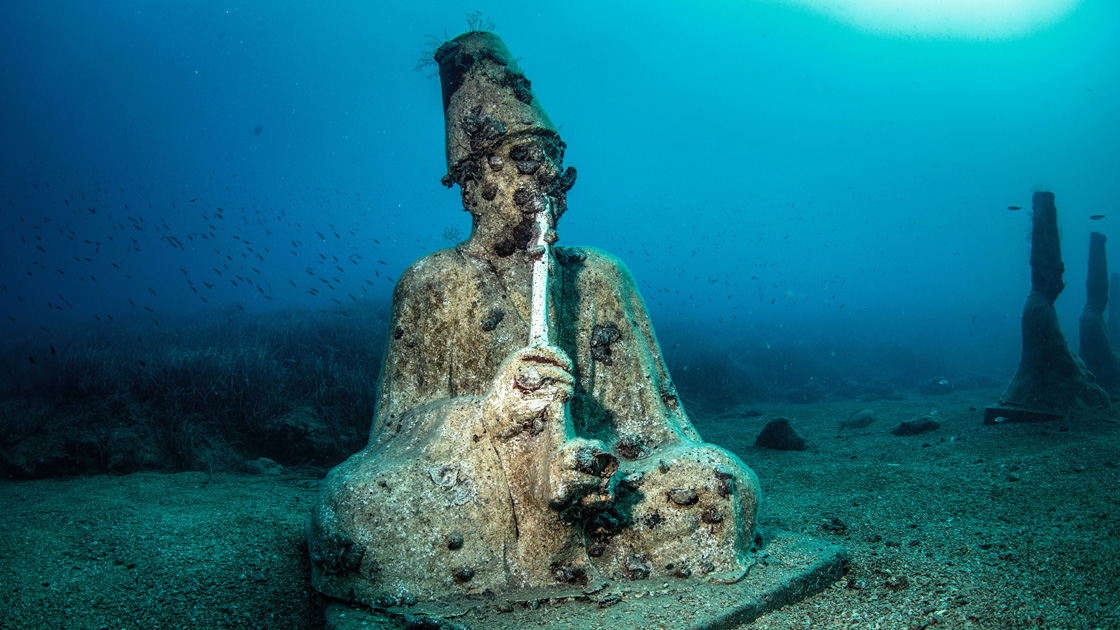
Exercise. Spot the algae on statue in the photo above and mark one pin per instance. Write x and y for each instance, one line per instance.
(495, 464)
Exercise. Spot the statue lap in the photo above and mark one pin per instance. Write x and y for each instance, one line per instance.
(426, 509)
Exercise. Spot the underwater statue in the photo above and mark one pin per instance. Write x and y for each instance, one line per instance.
(527, 434)
(1095, 348)
(1050, 379)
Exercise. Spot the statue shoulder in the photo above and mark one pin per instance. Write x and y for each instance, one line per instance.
(427, 270)
(594, 260)
(587, 257)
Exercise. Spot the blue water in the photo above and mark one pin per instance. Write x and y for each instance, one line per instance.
(770, 173)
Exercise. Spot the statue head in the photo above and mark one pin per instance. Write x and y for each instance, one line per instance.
(502, 149)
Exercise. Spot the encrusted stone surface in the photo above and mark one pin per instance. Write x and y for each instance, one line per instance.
(497, 468)
(792, 567)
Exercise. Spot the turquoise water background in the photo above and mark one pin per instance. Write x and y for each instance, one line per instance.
(769, 171)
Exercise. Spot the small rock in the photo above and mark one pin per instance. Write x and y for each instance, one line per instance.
(924, 424)
(779, 435)
(263, 466)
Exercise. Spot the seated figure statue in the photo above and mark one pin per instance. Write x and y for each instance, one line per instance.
(494, 464)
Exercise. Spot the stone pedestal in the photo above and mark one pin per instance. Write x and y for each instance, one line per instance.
(793, 568)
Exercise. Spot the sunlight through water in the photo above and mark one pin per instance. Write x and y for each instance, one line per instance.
(949, 19)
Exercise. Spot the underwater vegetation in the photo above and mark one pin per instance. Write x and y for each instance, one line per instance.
(294, 387)
(298, 387)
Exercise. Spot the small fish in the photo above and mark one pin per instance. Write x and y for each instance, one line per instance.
(943, 381)
(1097, 217)
(859, 419)
(1014, 207)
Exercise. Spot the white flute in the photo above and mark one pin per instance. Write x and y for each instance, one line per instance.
(542, 265)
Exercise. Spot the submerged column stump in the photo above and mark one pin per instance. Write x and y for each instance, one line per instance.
(1095, 348)
(507, 474)
(1051, 379)
(1114, 309)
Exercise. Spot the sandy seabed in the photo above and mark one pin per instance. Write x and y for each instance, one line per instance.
(970, 526)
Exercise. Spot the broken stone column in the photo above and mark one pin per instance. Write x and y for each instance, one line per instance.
(1095, 348)
(496, 468)
(1050, 378)
(1114, 308)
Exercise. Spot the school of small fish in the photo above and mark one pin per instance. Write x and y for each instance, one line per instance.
(111, 238)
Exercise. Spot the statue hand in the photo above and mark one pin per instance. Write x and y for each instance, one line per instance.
(580, 477)
(530, 389)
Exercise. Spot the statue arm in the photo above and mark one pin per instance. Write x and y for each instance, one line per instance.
(409, 376)
(630, 368)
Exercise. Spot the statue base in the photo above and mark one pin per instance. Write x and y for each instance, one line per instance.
(789, 568)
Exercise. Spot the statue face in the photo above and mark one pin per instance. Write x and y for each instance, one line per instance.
(507, 182)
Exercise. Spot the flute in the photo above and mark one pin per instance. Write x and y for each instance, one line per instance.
(542, 265)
